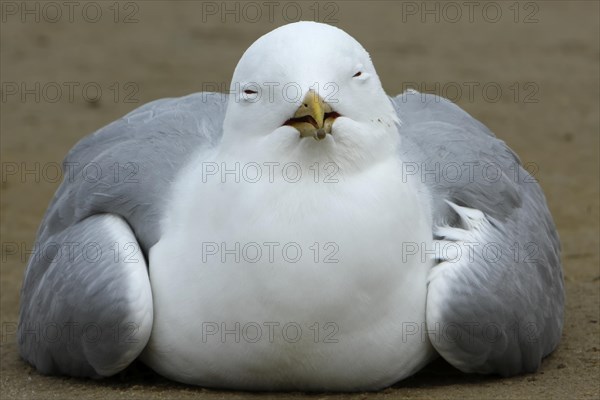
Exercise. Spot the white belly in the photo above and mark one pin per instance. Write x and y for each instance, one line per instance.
(292, 285)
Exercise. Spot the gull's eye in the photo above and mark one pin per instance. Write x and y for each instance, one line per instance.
(356, 75)
(251, 95)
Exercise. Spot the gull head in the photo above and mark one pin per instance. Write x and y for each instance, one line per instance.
(309, 91)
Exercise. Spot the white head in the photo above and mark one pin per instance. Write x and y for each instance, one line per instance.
(309, 92)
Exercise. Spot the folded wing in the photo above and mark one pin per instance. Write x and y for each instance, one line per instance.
(495, 299)
(86, 303)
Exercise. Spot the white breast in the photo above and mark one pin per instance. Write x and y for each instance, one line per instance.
(283, 285)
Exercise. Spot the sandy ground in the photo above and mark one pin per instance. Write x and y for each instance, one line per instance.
(543, 56)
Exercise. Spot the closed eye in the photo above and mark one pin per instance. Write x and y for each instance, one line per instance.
(356, 75)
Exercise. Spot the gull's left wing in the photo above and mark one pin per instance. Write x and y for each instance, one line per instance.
(495, 299)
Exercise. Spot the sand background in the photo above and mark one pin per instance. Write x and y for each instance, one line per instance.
(544, 56)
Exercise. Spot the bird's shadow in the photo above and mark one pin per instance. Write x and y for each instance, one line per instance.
(437, 373)
(441, 373)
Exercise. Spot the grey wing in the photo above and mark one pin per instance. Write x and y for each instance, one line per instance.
(86, 304)
(495, 299)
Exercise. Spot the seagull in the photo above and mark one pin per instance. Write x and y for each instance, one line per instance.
(304, 231)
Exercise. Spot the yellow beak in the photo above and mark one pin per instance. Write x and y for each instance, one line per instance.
(314, 118)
